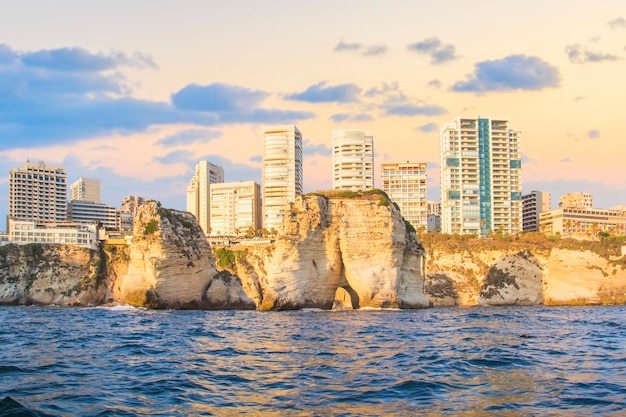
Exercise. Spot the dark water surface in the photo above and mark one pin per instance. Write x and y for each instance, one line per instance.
(465, 362)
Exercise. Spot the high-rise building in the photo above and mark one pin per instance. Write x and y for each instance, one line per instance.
(235, 208)
(131, 203)
(433, 209)
(282, 172)
(405, 184)
(481, 187)
(198, 193)
(85, 189)
(353, 160)
(533, 204)
(577, 200)
(38, 192)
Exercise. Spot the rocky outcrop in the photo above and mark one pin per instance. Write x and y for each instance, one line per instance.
(359, 245)
(490, 272)
(171, 266)
(51, 275)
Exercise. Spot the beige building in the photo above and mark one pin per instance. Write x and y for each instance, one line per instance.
(28, 231)
(481, 188)
(85, 189)
(405, 184)
(353, 160)
(282, 172)
(198, 193)
(577, 200)
(533, 204)
(582, 223)
(38, 192)
(235, 208)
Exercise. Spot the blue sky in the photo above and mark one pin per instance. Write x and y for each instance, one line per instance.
(135, 93)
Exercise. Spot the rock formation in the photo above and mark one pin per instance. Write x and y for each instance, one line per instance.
(359, 245)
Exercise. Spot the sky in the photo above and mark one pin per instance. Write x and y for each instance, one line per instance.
(136, 93)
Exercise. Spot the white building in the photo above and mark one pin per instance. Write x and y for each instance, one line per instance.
(198, 193)
(533, 204)
(282, 172)
(405, 184)
(235, 208)
(481, 187)
(79, 211)
(577, 200)
(85, 189)
(583, 223)
(28, 231)
(38, 192)
(353, 160)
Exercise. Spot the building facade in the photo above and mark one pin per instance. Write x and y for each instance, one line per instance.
(79, 211)
(353, 160)
(29, 231)
(235, 208)
(282, 172)
(533, 204)
(38, 192)
(85, 189)
(481, 189)
(582, 223)
(198, 193)
(577, 200)
(405, 184)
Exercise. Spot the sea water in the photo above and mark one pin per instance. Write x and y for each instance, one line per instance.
(505, 361)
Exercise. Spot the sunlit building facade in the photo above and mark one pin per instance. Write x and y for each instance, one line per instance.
(282, 172)
(198, 192)
(235, 208)
(405, 184)
(481, 188)
(533, 204)
(85, 189)
(353, 160)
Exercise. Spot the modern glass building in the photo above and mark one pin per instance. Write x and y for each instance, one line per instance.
(282, 172)
(353, 160)
(481, 188)
(405, 184)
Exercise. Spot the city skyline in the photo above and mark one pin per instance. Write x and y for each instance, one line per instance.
(136, 94)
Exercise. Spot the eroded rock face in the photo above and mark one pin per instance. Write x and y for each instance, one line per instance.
(171, 264)
(360, 245)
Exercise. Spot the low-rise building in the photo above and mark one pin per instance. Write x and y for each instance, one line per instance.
(30, 231)
(582, 223)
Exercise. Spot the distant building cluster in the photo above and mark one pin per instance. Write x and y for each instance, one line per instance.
(480, 179)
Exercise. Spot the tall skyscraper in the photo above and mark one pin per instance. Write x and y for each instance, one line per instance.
(198, 193)
(353, 160)
(533, 204)
(38, 192)
(481, 187)
(235, 207)
(282, 172)
(85, 189)
(405, 184)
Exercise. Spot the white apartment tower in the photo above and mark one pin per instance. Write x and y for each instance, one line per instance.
(353, 160)
(235, 208)
(405, 184)
(282, 172)
(533, 204)
(198, 193)
(38, 192)
(85, 189)
(481, 187)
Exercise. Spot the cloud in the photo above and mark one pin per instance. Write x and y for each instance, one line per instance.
(319, 93)
(345, 117)
(309, 149)
(434, 83)
(256, 158)
(63, 95)
(187, 137)
(175, 157)
(415, 110)
(514, 72)
(618, 23)
(565, 160)
(439, 53)
(579, 55)
(428, 128)
(579, 98)
(365, 50)
(528, 160)
(593, 134)
(383, 90)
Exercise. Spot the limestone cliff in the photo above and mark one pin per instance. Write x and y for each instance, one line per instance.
(170, 264)
(529, 271)
(356, 251)
(50, 274)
